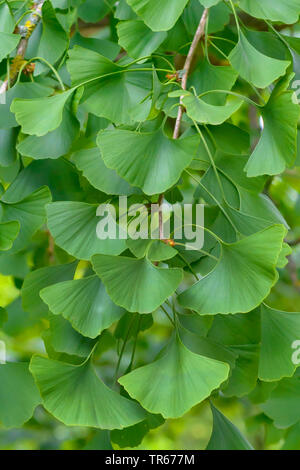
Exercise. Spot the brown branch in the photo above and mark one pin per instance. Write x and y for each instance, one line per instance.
(187, 66)
(186, 69)
(25, 31)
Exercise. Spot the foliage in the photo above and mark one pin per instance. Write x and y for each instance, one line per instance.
(184, 101)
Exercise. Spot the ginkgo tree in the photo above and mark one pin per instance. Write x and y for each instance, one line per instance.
(162, 102)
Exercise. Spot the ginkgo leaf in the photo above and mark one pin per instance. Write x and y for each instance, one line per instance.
(151, 161)
(54, 144)
(93, 404)
(282, 405)
(90, 162)
(54, 39)
(41, 115)
(209, 3)
(64, 339)
(255, 67)
(279, 331)
(137, 39)
(127, 282)
(242, 277)
(225, 435)
(286, 12)
(8, 233)
(18, 394)
(159, 16)
(7, 19)
(8, 42)
(209, 77)
(36, 280)
(73, 226)
(85, 303)
(176, 382)
(276, 148)
(198, 110)
(112, 91)
(29, 213)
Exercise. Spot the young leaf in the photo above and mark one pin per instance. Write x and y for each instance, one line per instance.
(205, 113)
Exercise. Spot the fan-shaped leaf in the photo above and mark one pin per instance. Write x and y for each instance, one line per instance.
(175, 382)
(255, 67)
(242, 277)
(286, 12)
(18, 394)
(157, 15)
(93, 404)
(85, 303)
(151, 161)
(128, 281)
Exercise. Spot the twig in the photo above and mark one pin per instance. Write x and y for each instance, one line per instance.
(25, 31)
(186, 69)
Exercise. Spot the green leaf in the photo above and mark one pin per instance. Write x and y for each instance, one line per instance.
(209, 3)
(279, 331)
(286, 12)
(8, 140)
(154, 162)
(36, 280)
(133, 436)
(3, 316)
(225, 435)
(54, 144)
(7, 19)
(85, 303)
(8, 42)
(18, 394)
(243, 275)
(255, 67)
(277, 147)
(90, 162)
(137, 39)
(115, 92)
(64, 339)
(41, 115)
(54, 39)
(157, 15)
(128, 281)
(175, 382)
(73, 226)
(283, 403)
(208, 77)
(8, 233)
(205, 113)
(93, 404)
(29, 213)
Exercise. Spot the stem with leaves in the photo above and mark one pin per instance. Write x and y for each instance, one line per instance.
(186, 70)
(25, 31)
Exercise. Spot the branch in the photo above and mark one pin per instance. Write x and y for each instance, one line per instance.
(186, 70)
(25, 31)
(187, 66)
